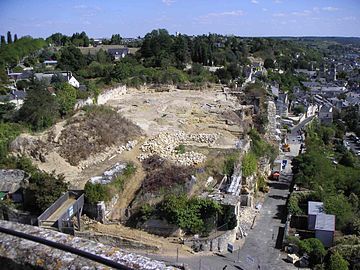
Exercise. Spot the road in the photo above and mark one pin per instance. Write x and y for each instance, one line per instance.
(260, 244)
(261, 248)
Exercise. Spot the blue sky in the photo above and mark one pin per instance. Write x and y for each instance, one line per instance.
(131, 18)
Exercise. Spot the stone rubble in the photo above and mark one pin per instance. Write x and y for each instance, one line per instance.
(108, 153)
(247, 215)
(165, 145)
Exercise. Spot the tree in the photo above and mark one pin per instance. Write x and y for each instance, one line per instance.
(9, 38)
(71, 59)
(40, 108)
(193, 215)
(314, 248)
(96, 192)
(115, 39)
(44, 189)
(3, 42)
(337, 262)
(339, 206)
(66, 97)
(269, 63)
(15, 38)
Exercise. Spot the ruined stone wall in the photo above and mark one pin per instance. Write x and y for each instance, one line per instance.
(104, 97)
(29, 253)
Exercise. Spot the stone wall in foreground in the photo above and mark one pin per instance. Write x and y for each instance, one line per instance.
(31, 254)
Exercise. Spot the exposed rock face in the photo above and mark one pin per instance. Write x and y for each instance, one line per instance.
(25, 252)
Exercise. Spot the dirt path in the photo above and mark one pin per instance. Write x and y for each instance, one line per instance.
(166, 246)
(131, 185)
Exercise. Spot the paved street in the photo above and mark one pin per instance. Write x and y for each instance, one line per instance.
(261, 248)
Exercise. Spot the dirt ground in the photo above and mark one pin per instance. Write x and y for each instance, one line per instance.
(166, 246)
(191, 111)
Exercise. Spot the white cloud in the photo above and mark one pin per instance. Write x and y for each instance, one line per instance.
(348, 18)
(279, 14)
(330, 8)
(264, 9)
(168, 2)
(301, 13)
(254, 1)
(277, 1)
(207, 19)
(223, 14)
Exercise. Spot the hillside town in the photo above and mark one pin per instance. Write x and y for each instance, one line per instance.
(176, 151)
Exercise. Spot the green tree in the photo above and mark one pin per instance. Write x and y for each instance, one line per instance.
(15, 38)
(193, 215)
(96, 192)
(40, 108)
(115, 39)
(339, 206)
(2, 41)
(337, 262)
(71, 59)
(9, 38)
(269, 63)
(66, 97)
(314, 248)
(8, 132)
(44, 189)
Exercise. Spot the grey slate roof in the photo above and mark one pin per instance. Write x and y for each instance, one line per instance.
(315, 208)
(325, 222)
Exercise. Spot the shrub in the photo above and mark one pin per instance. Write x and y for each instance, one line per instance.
(180, 149)
(314, 248)
(249, 164)
(228, 167)
(262, 185)
(337, 262)
(193, 215)
(96, 192)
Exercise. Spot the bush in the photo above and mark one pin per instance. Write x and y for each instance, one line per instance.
(180, 149)
(337, 262)
(314, 248)
(163, 175)
(228, 167)
(249, 164)
(96, 192)
(8, 132)
(43, 190)
(262, 185)
(194, 215)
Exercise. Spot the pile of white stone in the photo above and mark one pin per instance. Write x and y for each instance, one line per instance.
(107, 154)
(247, 215)
(165, 145)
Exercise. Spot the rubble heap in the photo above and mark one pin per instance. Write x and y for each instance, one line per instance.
(165, 145)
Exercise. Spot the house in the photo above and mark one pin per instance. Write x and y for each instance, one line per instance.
(118, 53)
(325, 228)
(16, 97)
(326, 114)
(50, 63)
(314, 208)
(67, 75)
(12, 184)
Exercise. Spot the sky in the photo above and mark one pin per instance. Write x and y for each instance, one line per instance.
(132, 18)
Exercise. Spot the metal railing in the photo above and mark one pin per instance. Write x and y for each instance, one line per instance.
(66, 248)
